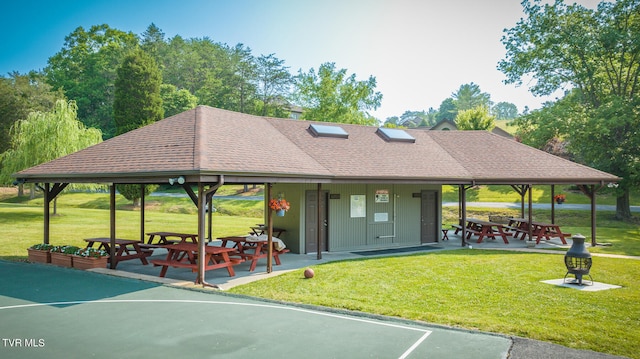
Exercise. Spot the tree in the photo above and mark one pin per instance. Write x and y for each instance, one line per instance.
(447, 110)
(137, 103)
(152, 42)
(137, 93)
(20, 95)
(45, 136)
(175, 101)
(273, 86)
(505, 111)
(596, 55)
(470, 96)
(477, 118)
(85, 69)
(331, 96)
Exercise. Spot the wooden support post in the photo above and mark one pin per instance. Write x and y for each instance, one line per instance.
(269, 231)
(112, 226)
(529, 188)
(320, 224)
(553, 204)
(142, 205)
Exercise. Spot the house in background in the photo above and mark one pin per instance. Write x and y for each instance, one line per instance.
(351, 187)
(449, 125)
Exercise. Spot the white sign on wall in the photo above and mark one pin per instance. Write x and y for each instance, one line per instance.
(382, 196)
(358, 205)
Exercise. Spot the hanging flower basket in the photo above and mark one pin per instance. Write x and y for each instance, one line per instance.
(279, 205)
(560, 198)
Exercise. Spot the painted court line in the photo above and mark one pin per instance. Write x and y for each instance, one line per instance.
(425, 332)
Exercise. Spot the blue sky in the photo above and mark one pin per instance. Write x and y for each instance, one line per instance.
(420, 51)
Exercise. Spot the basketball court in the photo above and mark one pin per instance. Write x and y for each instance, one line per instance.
(46, 312)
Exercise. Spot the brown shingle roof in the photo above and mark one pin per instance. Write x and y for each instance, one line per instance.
(206, 142)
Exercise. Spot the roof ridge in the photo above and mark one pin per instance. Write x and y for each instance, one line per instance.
(198, 138)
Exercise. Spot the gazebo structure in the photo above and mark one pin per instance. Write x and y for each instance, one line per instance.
(396, 174)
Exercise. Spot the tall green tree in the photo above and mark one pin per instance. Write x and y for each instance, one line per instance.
(137, 103)
(332, 96)
(20, 95)
(274, 82)
(470, 96)
(505, 111)
(596, 54)
(447, 110)
(477, 118)
(45, 136)
(175, 101)
(85, 69)
(153, 43)
(137, 93)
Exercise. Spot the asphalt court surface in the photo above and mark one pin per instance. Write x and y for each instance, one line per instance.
(51, 312)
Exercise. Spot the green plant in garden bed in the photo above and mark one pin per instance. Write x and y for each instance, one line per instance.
(91, 252)
(65, 249)
(42, 247)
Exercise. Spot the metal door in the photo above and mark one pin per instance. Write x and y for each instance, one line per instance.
(429, 217)
(311, 221)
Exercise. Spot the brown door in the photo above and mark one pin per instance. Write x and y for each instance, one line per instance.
(429, 217)
(311, 221)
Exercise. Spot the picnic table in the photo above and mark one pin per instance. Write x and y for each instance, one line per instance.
(261, 229)
(254, 247)
(539, 230)
(519, 226)
(184, 255)
(486, 229)
(162, 238)
(125, 249)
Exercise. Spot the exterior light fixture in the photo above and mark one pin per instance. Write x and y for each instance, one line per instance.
(178, 180)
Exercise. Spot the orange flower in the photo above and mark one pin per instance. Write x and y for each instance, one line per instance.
(560, 197)
(278, 204)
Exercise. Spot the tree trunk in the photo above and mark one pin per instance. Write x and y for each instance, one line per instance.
(623, 208)
(21, 190)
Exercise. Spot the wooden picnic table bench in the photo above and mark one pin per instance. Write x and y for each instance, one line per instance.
(163, 238)
(487, 229)
(184, 255)
(125, 249)
(252, 249)
(539, 230)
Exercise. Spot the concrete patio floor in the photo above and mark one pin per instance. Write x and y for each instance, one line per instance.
(298, 262)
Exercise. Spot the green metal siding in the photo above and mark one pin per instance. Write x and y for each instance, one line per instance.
(346, 233)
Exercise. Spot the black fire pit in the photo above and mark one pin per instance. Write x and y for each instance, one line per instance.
(578, 260)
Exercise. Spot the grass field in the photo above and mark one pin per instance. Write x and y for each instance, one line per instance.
(486, 290)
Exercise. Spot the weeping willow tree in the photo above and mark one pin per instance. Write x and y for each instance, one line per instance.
(45, 136)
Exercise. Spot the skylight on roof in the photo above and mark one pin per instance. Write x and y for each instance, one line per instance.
(328, 131)
(395, 135)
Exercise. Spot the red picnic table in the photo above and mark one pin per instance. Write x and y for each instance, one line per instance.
(184, 255)
(125, 249)
(539, 230)
(254, 248)
(486, 229)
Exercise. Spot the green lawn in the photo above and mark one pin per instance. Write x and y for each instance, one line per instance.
(486, 290)
(491, 291)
